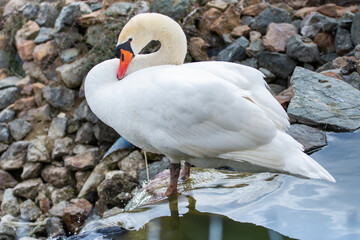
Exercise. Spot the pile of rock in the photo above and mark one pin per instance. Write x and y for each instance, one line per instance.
(50, 141)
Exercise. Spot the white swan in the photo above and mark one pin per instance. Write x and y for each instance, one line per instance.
(210, 114)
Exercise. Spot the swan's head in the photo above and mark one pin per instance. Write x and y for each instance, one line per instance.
(143, 28)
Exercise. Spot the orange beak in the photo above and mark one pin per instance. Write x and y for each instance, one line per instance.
(125, 59)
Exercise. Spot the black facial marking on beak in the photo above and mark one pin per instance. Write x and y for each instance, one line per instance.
(126, 46)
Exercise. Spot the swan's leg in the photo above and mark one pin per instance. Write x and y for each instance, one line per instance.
(174, 175)
(185, 173)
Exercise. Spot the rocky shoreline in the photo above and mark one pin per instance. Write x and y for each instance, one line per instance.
(52, 177)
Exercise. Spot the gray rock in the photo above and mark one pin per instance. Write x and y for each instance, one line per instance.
(69, 55)
(315, 23)
(355, 29)
(9, 82)
(84, 8)
(58, 209)
(297, 24)
(324, 101)
(251, 62)
(57, 128)
(37, 114)
(247, 20)
(83, 112)
(44, 35)
(255, 47)
(311, 138)
(57, 176)
(92, 34)
(154, 168)
(73, 125)
(62, 147)
(104, 133)
(277, 63)
(8, 96)
(19, 128)
(10, 204)
(85, 134)
(31, 170)
(14, 157)
(59, 97)
(235, 51)
(131, 165)
(67, 16)
(3, 147)
(346, 20)
(37, 151)
(54, 227)
(28, 189)
(29, 211)
(4, 59)
(72, 74)
(269, 15)
(176, 9)
(4, 133)
(357, 52)
(119, 8)
(81, 177)
(6, 115)
(7, 229)
(62, 194)
(302, 49)
(343, 42)
(95, 6)
(30, 10)
(6, 180)
(354, 80)
(67, 39)
(47, 15)
(82, 162)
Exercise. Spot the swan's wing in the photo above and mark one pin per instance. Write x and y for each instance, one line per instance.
(192, 112)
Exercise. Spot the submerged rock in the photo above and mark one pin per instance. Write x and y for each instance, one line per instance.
(324, 101)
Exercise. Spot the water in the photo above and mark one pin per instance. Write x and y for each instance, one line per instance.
(225, 205)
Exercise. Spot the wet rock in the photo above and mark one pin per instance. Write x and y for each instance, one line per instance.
(241, 30)
(62, 147)
(355, 29)
(4, 59)
(226, 22)
(57, 128)
(69, 55)
(37, 151)
(207, 19)
(47, 15)
(277, 36)
(132, 164)
(54, 227)
(4, 133)
(310, 138)
(44, 35)
(57, 176)
(85, 134)
(44, 53)
(325, 42)
(197, 49)
(38, 114)
(302, 49)
(277, 63)
(75, 214)
(6, 180)
(315, 23)
(31, 170)
(154, 169)
(119, 8)
(29, 211)
(59, 97)
(8, 96)
(81, 162)
(19, 128)
(324, 101)
(28, 189)
(81, 178)
(83, 112)
(254, 10)
(67, 16)
(62, 194)
(30, 10)
(72, 74)
(354, 80)
(104, 133)
(14, 157)
(235, 51)
(343, 41)
(58, 209)
(10, 204)
(270, 15)
(176, 9)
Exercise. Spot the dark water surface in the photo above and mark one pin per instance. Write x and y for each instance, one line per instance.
(224, 205)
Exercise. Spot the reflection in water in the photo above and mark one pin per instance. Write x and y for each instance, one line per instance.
(225, 205)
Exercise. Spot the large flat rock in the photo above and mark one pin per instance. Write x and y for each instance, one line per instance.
(324, 102)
